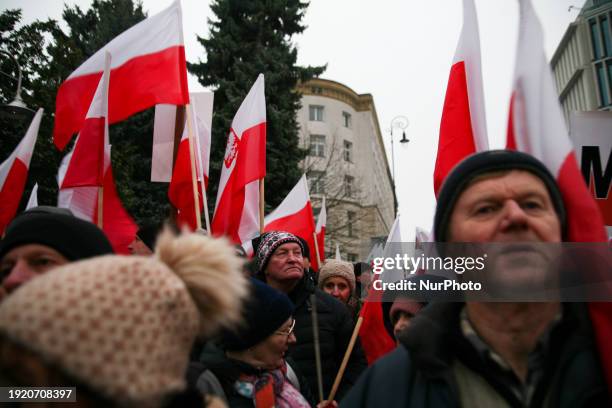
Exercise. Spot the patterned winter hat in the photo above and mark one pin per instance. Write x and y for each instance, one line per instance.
(125, 325)
(268, 244)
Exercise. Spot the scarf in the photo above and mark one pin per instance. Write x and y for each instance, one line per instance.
(270, 389)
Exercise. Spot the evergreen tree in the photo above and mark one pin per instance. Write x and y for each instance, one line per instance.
(248, 38)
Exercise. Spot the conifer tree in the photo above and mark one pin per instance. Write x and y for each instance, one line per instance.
(247, 38)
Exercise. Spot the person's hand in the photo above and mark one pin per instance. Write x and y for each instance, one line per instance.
(327, 404)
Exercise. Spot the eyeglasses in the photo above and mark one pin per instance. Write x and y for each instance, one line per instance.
(289, 331)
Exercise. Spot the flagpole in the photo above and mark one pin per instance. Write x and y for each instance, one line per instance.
(179, 123)
(316, 244)
(202, 183)
(261, 206)
(345, 360)
(100, 206)
(317, 347)
(194, 182)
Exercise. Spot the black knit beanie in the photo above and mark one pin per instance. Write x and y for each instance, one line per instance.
(148, 234)
(70, 236)
(487, 162)
(264, 313)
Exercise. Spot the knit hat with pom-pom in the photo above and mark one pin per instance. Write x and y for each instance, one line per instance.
(124, 326)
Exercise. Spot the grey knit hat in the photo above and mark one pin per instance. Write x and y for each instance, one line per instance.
(342, 269)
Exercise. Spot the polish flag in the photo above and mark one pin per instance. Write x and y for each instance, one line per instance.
(375, 338)
(320, 230)
(14, 173)
(88, 167)
(148, 68)
(463, 127)
(180, 191)
(294, 215)
(536, 126)
(237, 206)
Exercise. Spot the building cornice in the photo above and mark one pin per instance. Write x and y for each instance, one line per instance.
(563, 43)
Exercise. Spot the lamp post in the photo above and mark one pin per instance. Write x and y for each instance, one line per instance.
(16, 108)
(402, 123)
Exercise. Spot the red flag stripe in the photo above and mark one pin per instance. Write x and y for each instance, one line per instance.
(134, 86)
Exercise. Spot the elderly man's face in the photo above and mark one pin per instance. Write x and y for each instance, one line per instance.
(286, 263)
(514, 207)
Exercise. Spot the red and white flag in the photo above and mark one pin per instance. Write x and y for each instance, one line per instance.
(14, 173)
(180, 191)
(320, 230)
(463, 127)
(294, 215)
(237, 206)
(88, 167)
(536, 126)
(33, 201)
(148, 68)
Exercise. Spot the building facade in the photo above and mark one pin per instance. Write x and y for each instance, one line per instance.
(347, 165)
(582, 63)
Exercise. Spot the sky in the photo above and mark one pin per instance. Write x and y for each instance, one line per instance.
(400, 51)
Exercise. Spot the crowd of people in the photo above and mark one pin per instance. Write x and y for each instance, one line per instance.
(188, 321)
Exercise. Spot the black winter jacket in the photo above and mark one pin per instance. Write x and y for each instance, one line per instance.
(418, 373)
(335, 330)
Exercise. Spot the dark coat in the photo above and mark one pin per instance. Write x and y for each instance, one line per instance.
(335, 329)
(418, 373)
(227, 371)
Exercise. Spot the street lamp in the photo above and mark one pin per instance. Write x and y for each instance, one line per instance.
(402, 123)
(16, 107)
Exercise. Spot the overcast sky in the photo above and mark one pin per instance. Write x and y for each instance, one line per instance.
(400, 51)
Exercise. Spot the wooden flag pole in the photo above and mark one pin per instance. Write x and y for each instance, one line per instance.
(317, 347)
(345, 360)
(100, 207)
(194, 176)
(261, 206)
(205, 202)
(316, 244)
(179, 123)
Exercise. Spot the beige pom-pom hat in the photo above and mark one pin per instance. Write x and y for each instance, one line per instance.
(125, 325)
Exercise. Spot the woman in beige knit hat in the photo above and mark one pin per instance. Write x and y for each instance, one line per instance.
(120, 328)
(338, 279)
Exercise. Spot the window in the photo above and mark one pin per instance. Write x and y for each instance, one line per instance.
(349, 186)
(348, 151)
(350, 219)
(604, 90)
(317, 145)
(316, 211)
(316, 113)
(601, 42)
(605, 31)
(316, 182)
(351, 257)
(346, 119)
(596, 42)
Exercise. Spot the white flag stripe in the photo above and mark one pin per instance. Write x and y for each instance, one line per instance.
(468, 51)
(33, 200)
(154, 34)
(539, 127)
(295, 201)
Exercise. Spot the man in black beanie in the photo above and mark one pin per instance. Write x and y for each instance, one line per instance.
(37, 241)
(493, 354)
